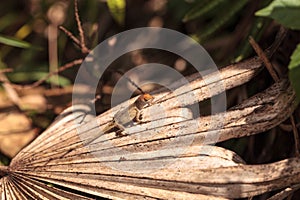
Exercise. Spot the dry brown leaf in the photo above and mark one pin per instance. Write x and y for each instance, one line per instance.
(15, 128)
(153, 161)
(34, 102)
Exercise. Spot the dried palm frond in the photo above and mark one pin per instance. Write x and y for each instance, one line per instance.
(167, 157)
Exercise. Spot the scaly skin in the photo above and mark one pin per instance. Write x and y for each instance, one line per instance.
(133, 113)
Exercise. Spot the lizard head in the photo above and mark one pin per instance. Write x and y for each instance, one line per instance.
(143, 101)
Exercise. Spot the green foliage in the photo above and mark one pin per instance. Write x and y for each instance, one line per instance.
(35, 76)
(180, 8)
(256, 31)
(295, 59)
(200, 9)
(294, 73)
(286, 12)
(117, 10)
(220, 17)
(4, 160)
(14, 42)
(7, 19)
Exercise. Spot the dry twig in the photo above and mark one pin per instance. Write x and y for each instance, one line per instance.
(73, 63)
(81, 42)
(84, 49)
(39, 82)
(70, 35)
(264, 58)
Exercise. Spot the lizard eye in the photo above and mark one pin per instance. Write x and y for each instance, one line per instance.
(144, 101)
(148, 97)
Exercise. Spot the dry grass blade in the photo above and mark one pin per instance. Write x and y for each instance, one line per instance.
(165, 157)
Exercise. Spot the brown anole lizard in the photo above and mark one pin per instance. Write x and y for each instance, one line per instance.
(122, 119)
(130, 114)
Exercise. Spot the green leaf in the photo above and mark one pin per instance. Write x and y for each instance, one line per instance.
(256, 31)
(294, 71)
(201, 9)
(179, 8)
(8, 20)
(286, 12)
(117, 10)
(220, 20)
(35, 76)
(14, 42)
(295, 58)
(60, 80)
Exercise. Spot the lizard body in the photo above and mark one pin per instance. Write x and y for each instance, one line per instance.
(129, 115)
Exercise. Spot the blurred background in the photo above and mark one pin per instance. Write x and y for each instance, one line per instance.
(33, 46)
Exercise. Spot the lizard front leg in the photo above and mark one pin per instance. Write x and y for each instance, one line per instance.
(121, 127)
(138, 116)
